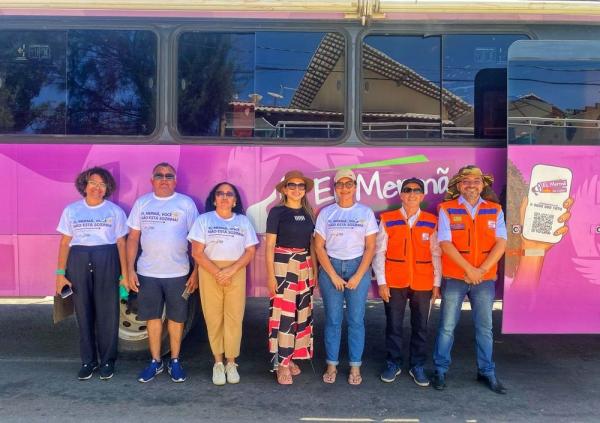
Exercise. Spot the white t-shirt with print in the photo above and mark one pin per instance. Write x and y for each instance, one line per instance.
(224, 239)
(345, 228)
(93, 225)
(164, 223)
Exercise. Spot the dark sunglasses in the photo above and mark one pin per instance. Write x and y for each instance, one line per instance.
(409, 190)
(161, 176)
(347, 185)
(291, 185)
(228, 194)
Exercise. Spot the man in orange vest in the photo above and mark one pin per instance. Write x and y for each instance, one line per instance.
(407, 267)
(472, 235)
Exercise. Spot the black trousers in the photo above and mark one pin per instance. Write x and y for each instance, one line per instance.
(94, 273)
(419, 315)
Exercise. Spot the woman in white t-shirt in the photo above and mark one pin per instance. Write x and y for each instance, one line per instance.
(91, 262)
(345, 235)
(223, 243)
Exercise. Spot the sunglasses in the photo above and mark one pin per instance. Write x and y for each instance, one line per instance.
(347, 185)
(291, 185)
(409, 190)
(161, 176)
(225, 194)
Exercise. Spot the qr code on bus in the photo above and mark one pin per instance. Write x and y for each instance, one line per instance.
(542, 223)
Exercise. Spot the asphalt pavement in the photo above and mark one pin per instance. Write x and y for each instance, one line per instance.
(549, 379)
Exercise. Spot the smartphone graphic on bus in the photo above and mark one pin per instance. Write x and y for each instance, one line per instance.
(549, 188)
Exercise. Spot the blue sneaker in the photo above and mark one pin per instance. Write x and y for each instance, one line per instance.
(390, 372)
(419, 376)
(176, 371)
(153, 369)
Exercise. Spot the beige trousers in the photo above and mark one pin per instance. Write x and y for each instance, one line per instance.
(223, 308)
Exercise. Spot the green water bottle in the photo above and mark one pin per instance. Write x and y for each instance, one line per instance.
(123, 293)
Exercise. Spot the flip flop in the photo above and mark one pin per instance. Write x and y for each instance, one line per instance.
(354, 379)
(329, 377)
(294, 369)
(284, 379)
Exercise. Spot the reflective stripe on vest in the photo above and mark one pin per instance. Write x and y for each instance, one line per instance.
(408, 256)
(473, 238)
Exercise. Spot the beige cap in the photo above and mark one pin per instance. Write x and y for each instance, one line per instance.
(344, 173)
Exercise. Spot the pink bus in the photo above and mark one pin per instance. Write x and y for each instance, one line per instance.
(246, 90)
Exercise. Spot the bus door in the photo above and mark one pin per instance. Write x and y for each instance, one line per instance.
(552, 274)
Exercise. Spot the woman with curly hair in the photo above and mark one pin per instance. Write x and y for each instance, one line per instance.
(91, 259)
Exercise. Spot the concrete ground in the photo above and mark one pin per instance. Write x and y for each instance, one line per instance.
(550, 379)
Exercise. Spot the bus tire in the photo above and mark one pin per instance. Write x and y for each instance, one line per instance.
(133, 335)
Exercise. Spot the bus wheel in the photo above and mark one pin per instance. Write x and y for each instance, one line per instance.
(133, 333)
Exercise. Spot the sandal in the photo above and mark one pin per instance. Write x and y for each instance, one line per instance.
(329, 377)
(354, 379)
(294, 369)
(284, 378)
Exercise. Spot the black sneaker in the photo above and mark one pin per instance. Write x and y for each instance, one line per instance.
(86, 371)
(439, 381)
(492, 382)
(107, 370)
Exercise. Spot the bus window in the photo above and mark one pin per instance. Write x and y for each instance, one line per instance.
(262, 85)
(111, 82)
(78, 82)
(32, 82)
(400, 87)
(474, 85)
(554, 101)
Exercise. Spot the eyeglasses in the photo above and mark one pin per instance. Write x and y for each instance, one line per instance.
(291, 185)
(223, 194)
(95, 184)
(409, 190)
(347, 185)
(161, 176)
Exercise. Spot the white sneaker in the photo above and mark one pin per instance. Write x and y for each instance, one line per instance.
(219, 374)
(232, 374)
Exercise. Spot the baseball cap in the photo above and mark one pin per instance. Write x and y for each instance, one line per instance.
(344, 173)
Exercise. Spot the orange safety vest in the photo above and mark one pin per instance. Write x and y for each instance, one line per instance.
(408, 256)
(473, 238)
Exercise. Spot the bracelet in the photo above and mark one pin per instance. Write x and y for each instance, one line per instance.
(121, 278)
(60, 272)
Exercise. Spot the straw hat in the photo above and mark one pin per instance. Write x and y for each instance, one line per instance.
(471, 170)
(295, 174)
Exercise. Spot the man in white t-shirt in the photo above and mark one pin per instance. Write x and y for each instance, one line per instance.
(160, 221)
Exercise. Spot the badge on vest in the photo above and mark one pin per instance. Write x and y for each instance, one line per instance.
(491, 224)
(425, 236)
(456, 219)
(457, 226)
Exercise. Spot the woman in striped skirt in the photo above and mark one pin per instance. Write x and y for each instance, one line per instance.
(291, 276)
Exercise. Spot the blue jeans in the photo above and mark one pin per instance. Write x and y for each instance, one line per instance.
(333, 301)
(481, 297)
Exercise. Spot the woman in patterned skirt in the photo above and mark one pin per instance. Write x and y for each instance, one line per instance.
(291, 276)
